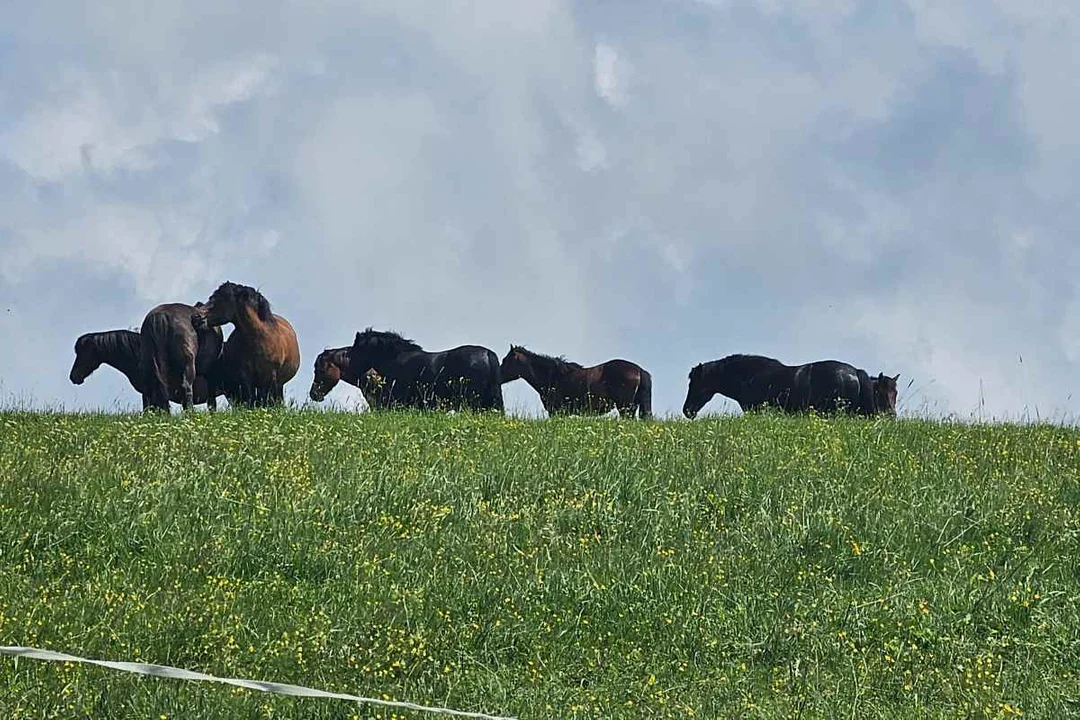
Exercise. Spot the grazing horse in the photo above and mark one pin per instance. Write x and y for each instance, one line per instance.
(567, 388)
(467, 376)
(755, 382)
(333, 365)
(173, 353)
(262, 352)
(122, 349)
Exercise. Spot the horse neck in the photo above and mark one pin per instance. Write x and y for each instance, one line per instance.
(543, 380)
(121, 357)
(340, 357)
(742, 376)
(248, 321)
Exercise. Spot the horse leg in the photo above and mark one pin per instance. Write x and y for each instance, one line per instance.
(643, 396)
(491, 399)
(494, 390)
(211, 395)
(187, 383)
(247, 394)
(157, 396)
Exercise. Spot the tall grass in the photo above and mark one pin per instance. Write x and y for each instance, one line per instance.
(753, 566)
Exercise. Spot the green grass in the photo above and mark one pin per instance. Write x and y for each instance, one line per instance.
(751, 566)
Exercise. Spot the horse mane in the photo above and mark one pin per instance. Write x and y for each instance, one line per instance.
(249, 296)
(385, 339)
(334, 353)
(111, 341)
(560, 361)
(740, 357)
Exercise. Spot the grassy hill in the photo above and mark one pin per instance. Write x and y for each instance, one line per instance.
(751, 566)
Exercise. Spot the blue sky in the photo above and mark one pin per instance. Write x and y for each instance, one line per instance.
(890, 184)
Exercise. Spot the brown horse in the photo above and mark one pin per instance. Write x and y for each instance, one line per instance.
(567, 388)
(333, 366)
(174, 353)
(262, 351)
(122, 349)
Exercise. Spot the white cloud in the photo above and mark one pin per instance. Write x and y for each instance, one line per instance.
(99, 123)
(609, 75)
(887, 184)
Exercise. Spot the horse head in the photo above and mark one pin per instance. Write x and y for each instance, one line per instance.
(696, 394)
(327, 375)
(226, 303)
(87, 360)
(515, 364)
(885, 393)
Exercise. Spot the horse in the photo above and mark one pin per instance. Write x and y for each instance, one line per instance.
(173, 353)
(568, 388)
(122, 349)
(757, 382)
(262, 350)
(466, 376)
(332, 365)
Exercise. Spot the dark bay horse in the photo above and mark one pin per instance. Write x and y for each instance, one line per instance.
(262, 352)
(467, 376)
(173, 354)
(756, 382)
(567, 388)
(122, 349)
(333, 366)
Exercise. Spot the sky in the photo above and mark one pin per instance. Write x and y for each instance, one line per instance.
(891, 184)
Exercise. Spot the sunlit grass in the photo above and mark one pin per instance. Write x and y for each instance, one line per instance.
(753, 566)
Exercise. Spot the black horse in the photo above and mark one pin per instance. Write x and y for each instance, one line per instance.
(467, 376)
(122, 349)
(756, 382)
(333, 366)
(568, 388)
(174, 353)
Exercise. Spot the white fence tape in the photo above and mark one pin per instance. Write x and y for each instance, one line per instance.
(166, 671)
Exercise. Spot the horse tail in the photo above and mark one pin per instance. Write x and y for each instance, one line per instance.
(643, 396)
(495, 401)
(867, 402)
(154, 361)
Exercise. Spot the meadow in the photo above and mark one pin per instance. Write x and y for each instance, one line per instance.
(758, 566)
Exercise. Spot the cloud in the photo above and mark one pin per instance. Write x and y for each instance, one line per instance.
(610, 75)
(887, 184)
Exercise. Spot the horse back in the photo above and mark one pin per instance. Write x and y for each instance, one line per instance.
(619, 368)
(463, 360)
(831, 383)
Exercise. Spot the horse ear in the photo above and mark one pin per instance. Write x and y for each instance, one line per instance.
(896, 377)
(356, 339)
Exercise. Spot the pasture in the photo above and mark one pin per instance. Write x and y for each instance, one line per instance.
(759, 566)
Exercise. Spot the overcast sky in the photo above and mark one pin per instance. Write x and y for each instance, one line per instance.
(892, 184)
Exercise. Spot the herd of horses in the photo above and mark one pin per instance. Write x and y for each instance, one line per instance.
(180, 355)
